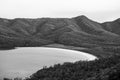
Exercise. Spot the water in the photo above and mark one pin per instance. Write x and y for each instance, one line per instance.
(23, 62)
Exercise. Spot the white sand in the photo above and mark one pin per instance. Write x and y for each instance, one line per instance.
(23, 62)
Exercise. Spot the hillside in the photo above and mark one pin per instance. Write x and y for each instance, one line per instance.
(100, 39)
(103, 69)
(77, 33)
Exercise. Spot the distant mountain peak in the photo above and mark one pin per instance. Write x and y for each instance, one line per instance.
(81, 17)
(118, 20)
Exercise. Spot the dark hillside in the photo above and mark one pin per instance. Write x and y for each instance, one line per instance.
(77, 32)
(102, 69)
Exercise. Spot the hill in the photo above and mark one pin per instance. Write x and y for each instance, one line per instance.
(77, 33)
(103, 69)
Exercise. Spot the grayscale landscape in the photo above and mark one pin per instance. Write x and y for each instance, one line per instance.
(22, 62)
(59, 40)
(28, 45)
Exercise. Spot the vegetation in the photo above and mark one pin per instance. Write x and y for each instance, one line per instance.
(11, 43)
(99, 39)
(100, 69)
(13, 79)
(77, 32)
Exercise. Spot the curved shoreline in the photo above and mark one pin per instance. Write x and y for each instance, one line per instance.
(66, 56)
(90, 56)
(71, 50)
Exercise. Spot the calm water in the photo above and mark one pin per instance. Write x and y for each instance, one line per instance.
(22, 62)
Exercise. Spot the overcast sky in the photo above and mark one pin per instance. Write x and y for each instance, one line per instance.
(98, 10)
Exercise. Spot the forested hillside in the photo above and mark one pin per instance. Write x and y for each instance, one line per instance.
(80, 32)
(102, 69)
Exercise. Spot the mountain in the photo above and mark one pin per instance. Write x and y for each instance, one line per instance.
(80, 32)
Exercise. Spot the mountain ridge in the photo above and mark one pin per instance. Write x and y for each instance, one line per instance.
(78, 31)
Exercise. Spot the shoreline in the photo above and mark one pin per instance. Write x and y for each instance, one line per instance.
(66, 52)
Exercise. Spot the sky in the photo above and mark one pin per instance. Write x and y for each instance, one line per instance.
(98, 10)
